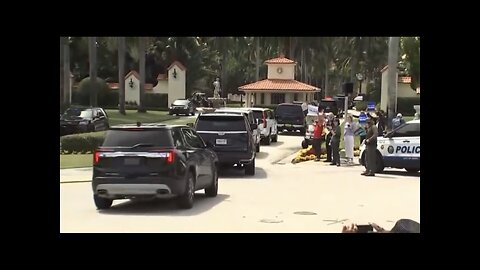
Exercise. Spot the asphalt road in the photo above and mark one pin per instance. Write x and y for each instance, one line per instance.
(280, 197)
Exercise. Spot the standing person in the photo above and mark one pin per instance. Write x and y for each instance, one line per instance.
(317, 137)
(348, 137)
(335, 141)
(328, 138)
(371, 149)
(398, 121)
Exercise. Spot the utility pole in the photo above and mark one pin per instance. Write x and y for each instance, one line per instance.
(392, 77)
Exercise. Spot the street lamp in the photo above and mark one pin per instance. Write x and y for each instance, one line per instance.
(360, 79)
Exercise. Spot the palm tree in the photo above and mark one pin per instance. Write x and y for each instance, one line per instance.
(66, 71)
(121, 74)
(141, 62)
(92, 46)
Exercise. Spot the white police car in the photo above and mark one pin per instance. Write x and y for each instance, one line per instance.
(399, 148)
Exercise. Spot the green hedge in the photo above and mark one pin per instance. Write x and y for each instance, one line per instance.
(156, 100)
(81, 143)
(405, 105)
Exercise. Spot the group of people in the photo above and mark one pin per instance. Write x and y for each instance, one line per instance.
(327, 128)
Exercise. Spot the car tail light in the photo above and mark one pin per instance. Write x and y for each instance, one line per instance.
(170, 157)
(264, 121)
(96, 157)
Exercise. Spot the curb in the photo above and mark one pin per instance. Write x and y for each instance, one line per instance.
(75, 181)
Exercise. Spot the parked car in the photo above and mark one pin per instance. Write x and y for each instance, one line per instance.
(231, 137)
(182, 106)
(149, 161)
(83, 119)
(267, 124)
(290, 117)
(251, 120)
(399, 148)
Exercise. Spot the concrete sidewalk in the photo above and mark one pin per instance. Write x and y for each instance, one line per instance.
(76, 175)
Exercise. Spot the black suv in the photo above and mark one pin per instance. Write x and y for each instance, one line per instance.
(83, 119)
(290, 117)
(231, 137)
(149, 161)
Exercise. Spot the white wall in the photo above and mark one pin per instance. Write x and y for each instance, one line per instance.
(176, 86)
(132, 94)
(161, 87)
(404, 90)
(288, 72)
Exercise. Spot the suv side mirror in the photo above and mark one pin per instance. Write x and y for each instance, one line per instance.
(253, 126)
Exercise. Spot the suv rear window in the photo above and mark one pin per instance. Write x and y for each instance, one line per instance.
(258, 114)
(289, 109)
(129, 138)
(220, 123)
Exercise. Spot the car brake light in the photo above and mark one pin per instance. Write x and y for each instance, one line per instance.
(96, 157)
(170, 157)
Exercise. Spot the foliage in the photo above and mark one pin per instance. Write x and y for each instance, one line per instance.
(405, 105)
(410, 47)
(81, 143)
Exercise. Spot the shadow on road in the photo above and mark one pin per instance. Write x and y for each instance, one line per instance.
(275, 144)
(398, 173)
(229, 173)
(164, 207)
(261, 155)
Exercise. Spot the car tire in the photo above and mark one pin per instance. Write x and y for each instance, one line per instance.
(304, 144)
(412, 170)
(250, 168)
(268, 139)
(257, 147)
(275, 138)
(212, 190)
(102, 203)
(185, 201)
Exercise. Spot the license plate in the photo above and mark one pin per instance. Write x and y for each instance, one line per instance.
(131, 161)
(221, 141)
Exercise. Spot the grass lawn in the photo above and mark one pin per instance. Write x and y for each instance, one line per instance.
(75, 161)
(133, 116)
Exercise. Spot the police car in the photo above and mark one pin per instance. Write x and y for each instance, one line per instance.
(399, 148)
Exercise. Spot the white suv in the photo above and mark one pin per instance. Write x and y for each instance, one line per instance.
(267, 124)
(399, 148)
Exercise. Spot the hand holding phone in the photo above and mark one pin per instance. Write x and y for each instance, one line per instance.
(364, 228)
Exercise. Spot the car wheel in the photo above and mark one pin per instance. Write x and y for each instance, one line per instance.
(250, 168)
(257, 147)
(304, 144)
(275, 138)
(212, 190)
(185, 201)
(268, 139)
(102, 203)
(412, 170)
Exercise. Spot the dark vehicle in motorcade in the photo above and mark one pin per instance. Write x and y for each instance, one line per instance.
(153, 161)
(329, 105)
(83, 119)
(290, 117)
(200, 100)
(250, 118)
(231, 137)
(182, 106)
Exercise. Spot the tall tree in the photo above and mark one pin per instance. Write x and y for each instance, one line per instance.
(92, 46)
(66, 72)
(121, 74)
(141, 63)
(411, 48)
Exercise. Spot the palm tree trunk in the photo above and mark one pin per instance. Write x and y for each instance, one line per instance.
(66, 72)
(92, 46)
(61, 72)
(121, 75)
(141, 63)
(257, 62)
(326, 79)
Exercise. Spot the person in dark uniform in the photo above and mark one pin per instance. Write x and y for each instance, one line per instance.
(371, 148)
(337, 132)
(328, 137)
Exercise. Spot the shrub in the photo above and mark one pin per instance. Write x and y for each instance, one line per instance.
(405, 105)
(156, 100)
(81, 143)
(82, 95)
